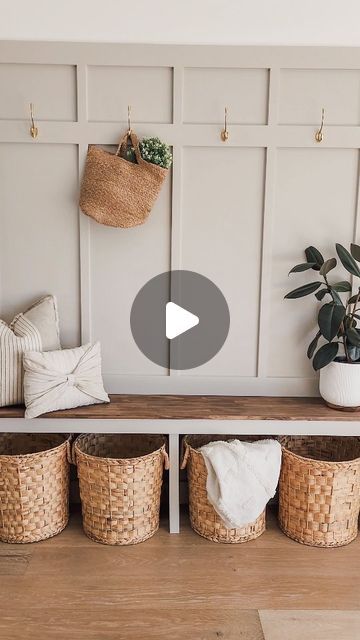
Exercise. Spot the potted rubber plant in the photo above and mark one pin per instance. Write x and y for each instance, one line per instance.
(335, 349)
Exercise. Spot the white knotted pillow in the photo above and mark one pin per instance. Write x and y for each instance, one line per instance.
(55, 380)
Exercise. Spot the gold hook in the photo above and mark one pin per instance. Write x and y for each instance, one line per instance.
(33, 130)
(225, 133)
(129, 119)
(319, 136)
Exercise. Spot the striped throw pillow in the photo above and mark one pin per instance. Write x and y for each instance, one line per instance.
(37, 329)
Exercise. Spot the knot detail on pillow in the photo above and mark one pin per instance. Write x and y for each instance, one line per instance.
(71, 379)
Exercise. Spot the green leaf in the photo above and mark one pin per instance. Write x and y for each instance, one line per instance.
(347, 260)
(349, 321)
(313, 255)
(328, 266)
(341, 286)
(326, 354)
(305, 290)
(330, 318)
(320, 294)
(355, 251)
(336, 298)
(312, 346)
(353, 336)
(354, 298)
(304, 266)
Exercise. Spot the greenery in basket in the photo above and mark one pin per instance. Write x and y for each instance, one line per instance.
(155, 151)
(337, 318)
(152, 150)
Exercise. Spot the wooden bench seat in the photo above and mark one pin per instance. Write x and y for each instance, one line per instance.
(180, 407)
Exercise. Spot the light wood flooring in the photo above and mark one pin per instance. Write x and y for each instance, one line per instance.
(178, 587)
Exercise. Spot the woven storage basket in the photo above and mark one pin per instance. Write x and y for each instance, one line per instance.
(34, 486)
(203, 517)
(320, 489)
(117, 192)
(120, 481)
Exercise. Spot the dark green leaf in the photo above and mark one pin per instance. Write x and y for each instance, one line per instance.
(355, 251)
(304, 266)
(354, 298)
(353, 336)
(328, 266)
(347, 260)
(312, 346)
(336, 298)
(305, 290)
(341, 286)
(349, 321)
(326, 354)
(313, 255)
(330, 318)
(320, 294)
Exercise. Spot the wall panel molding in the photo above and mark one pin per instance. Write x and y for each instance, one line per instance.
(187, 93)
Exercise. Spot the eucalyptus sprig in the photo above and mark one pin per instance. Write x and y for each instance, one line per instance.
(337, 320)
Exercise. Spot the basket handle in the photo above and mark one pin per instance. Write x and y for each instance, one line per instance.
(185, 456)
(135, 142)
(166, 459)
(70, 450)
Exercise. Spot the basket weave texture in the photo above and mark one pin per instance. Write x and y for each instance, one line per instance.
(203, 517)
(120, 480)
(117, 192)
(34, 486)
(320, 489)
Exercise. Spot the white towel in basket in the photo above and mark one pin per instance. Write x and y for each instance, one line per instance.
(242, 477)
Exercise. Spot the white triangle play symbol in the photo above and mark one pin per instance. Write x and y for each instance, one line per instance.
(178, 320)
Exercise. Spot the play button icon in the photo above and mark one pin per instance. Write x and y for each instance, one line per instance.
(180, 319)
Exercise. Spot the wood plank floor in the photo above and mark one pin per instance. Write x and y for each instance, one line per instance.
(178, 587)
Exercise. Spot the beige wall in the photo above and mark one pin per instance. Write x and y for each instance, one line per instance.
(188, 21)
(239, 212)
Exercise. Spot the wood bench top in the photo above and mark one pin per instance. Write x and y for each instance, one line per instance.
(171, 407)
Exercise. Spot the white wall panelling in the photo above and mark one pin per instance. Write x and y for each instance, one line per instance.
(52, 90)
(39, 238)
(240, 212)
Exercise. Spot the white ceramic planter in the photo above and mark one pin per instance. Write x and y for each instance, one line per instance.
(340, 385)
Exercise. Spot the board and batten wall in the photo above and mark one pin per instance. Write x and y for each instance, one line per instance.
(239, 212)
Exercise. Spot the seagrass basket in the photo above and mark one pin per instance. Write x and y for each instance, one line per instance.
(203, 517)
(319, 496)
(120, 478)
(34, 486)
(117, 192)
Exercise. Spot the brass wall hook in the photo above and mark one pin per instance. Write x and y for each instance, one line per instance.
(225, 133)
(129, 119)
(33, 129)
(319, 136)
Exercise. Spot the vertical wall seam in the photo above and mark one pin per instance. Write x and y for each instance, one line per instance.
(269, 183)
(84, 221)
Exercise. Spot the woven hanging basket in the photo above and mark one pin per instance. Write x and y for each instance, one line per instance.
(319, 497)
(34, 486)
(117, 192)
(120, 478)
(203, 517)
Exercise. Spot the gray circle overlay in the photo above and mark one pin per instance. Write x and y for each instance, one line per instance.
(196, 294)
